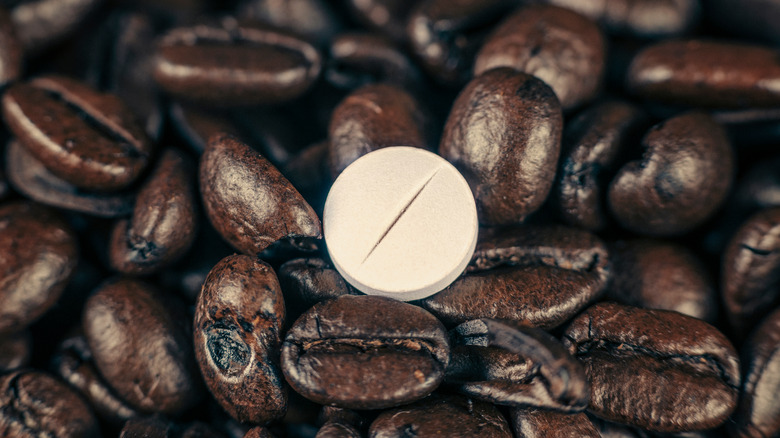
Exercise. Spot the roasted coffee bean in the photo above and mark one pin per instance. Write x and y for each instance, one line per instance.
(750, 274)
(543, 276)
(450, 416)
(593, 142)
(149, 427)
(196, 124)
(339, 423)
(309, 173)
(32, 179)
(15, 350)
(238, 322)
(38, 255)
(34, 404)
(10, 50)
(235, 65)
(259, 432)
(386, 16)
(314, 19)
(306, 282)
(371, 118)
(515, 366)
(337, 430)
(707, 73)
(42, 23)
(655, 369)
(639, 18)
(141, 345)
(560, 47)
(504, 135)
(681, 180)
(653, 274)
(73, 363)
(89, 139)
(248, 201)
(339, 348)
(537, 423)
(758, 413)
(164, 221)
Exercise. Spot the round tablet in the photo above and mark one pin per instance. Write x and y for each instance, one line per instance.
(400, 222)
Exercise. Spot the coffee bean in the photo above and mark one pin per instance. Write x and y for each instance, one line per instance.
(365, 352)
(34, 404)
(89, 139)
(339, 423)
(506, 145)
(681, 180)
(713, 74)
(258, 432)
(42, 23)
(309, 173)
(387, 16)
(10, 50)
(515, 366)
(537, 423)
(149, 427)
(451, 416)
(238, 322)
(248, 201)
(751, 270)
(141, 345)
(337, 430)
(164, 221)
(234, 65)
(560, 47)
(306, 282)
(655, 369)
(314, 19)
(371, 118)
(15, 350)
(39, 255)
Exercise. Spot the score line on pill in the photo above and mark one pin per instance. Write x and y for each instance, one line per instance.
(400, 222)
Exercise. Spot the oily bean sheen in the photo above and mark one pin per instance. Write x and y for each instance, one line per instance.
(450, 416)
(34, 404)
(682, 178)
(341, 347)
(537, 423)
(141, 345)
(558, 46)
(10, 50)
(515, 366)
(593, 142)
(504, 135)
(661, 275)
(164, 221)
(15, 350)
(38, 256)
(543, 276)
(89, 139)
(235, 65)
(370, 118)
(248, 201)
(758, 413)
(689, 371)
(238, 322)
(751, 270)
(707, 73)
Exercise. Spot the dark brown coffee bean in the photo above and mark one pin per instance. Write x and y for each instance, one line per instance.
(560, 47)
(592, 145)
(341, 347)
(371, 118)
(89, 139)
(655, 369)
(32, 179)
(42, 23)
(707, 74)
(504, 135)
(164, 221)
(639, 18)
(386, 16)
(450, 416)
(248, 201)
(196, 125)
(15, 350)
(314, 19)
(39, 255)
(537, 423)
(661, 275)
(238, 322)
(235, 65)
(259, 432)
(149, 427)
(337, 430)
(515, 366)
(10, 50)
(34, 404)
(339, 423)
(758, 414)
(681, 180)
(73, 363)
(306, 282)
(553, 273)
(309, 173)
(750, 273)
(755, 18)
(141, 345)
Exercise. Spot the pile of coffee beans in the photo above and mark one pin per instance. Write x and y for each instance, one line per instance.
(164, 170)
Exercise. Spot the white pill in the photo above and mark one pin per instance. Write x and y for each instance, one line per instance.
(400, 222)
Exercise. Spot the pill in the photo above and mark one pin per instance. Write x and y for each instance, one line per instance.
(400, 222)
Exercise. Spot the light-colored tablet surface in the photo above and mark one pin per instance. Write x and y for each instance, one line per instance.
(400, 222)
